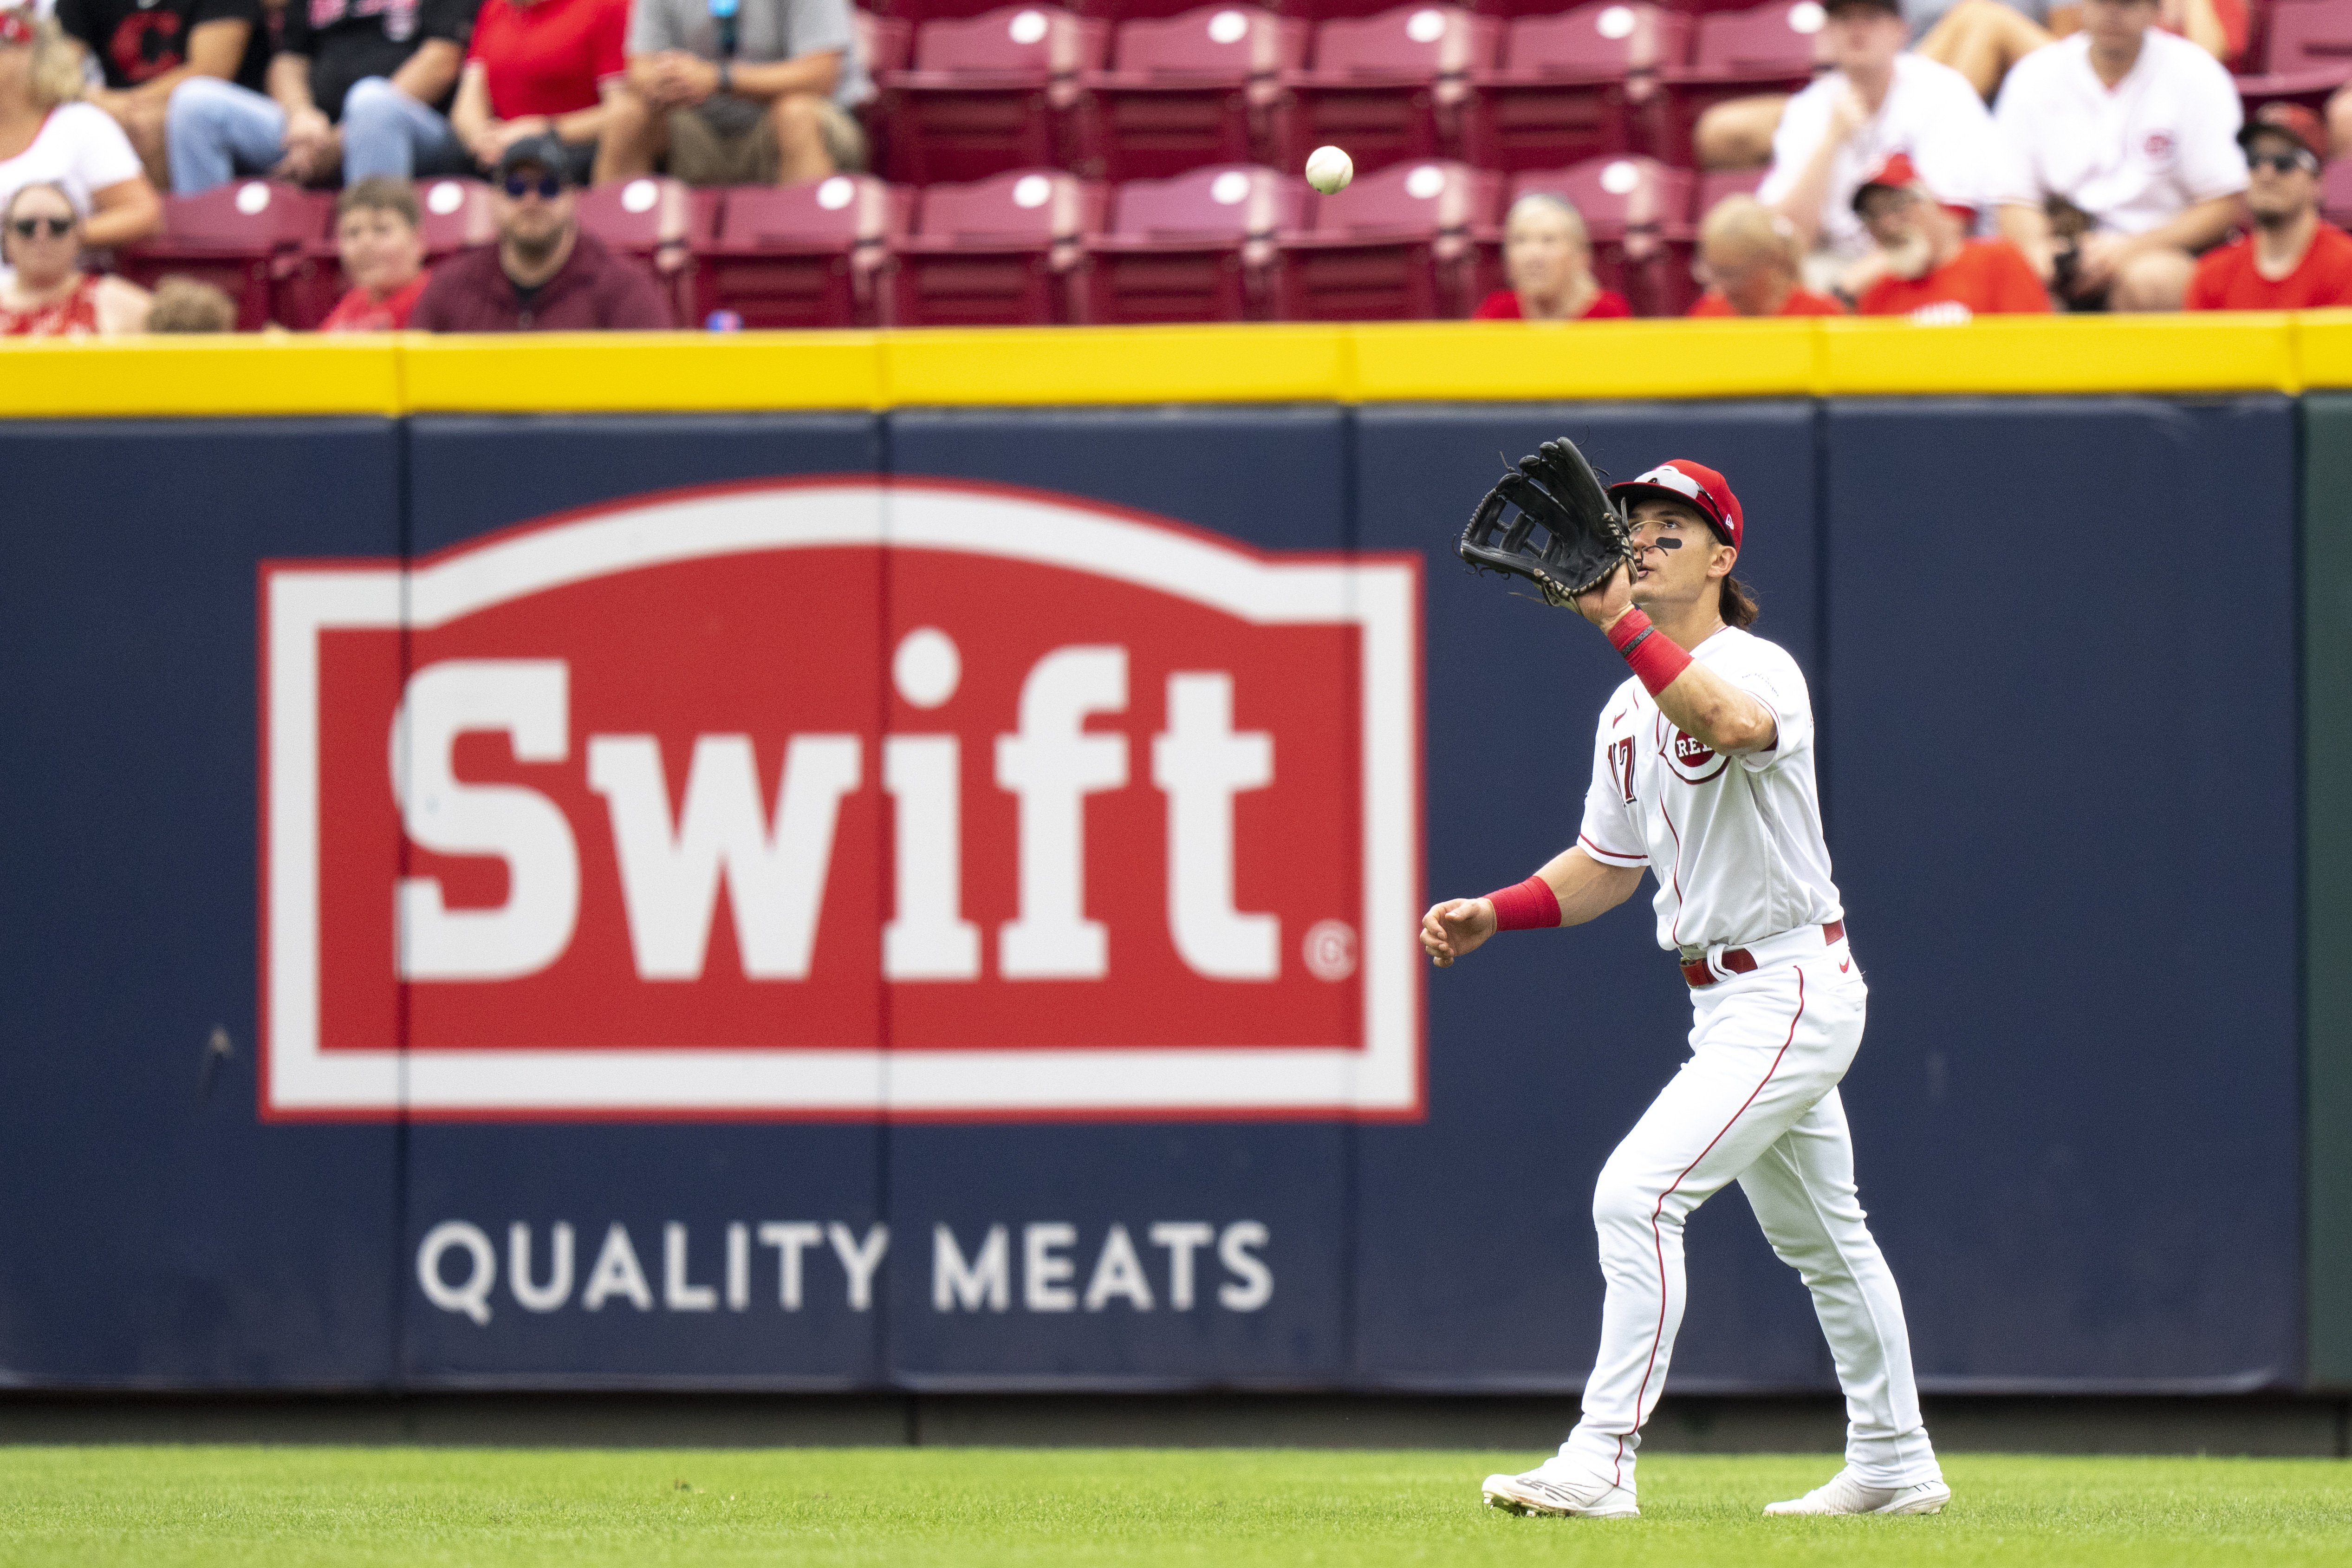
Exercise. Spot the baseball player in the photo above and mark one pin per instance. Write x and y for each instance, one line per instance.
(1702, 772)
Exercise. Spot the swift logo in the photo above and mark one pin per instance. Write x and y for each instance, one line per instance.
(839, 799)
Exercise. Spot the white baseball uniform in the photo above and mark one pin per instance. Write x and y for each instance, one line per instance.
(2132, 156)
(1930, 112)
(1736, 845)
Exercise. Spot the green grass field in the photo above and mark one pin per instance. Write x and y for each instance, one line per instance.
(260, 1508)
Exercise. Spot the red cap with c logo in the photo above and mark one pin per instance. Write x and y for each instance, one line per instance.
(1693, 483)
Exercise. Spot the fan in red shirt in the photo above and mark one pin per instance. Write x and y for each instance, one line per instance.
(2294, 259)
(541, 67)
(1927, 267)
(1747, 253)
(1547, 256)
(379, 233)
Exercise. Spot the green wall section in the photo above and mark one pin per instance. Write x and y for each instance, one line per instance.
(2328, 889)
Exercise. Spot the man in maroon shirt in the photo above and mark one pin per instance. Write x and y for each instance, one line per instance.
(544, 275)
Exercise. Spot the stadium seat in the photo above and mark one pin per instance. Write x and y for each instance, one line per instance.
(886, 43)
(661, 223)
(987, 94)
(811, 255)
(1718, 184)
(246, 239)
(1313, 11)
(2335, 193)
(1394, 246)
(997, 252)
(1576, 86)
(2307, 54)
(1766, 48)
(1637, 211)
(1198, 248)
(1185, 90)
(1388, 87)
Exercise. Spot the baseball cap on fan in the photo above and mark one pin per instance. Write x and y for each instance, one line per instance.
(2292, 120)
(1694, 484)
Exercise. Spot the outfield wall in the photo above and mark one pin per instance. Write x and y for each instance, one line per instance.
(2064, 762)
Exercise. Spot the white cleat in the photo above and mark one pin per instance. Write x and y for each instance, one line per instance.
(1560, 1494)
(1843, 1494)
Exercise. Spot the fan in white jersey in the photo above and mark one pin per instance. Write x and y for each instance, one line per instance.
(1703, 775)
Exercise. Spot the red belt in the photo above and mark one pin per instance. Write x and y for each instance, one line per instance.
(1739, 961)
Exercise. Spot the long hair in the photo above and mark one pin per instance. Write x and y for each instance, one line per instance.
(1736, 606)
(56, 67)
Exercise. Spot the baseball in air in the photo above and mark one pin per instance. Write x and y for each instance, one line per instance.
(1328, 170)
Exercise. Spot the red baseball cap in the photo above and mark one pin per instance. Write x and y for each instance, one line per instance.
(2292, 120)
(1694, 484)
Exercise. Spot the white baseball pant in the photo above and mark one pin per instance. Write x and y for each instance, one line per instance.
(1756, 1101)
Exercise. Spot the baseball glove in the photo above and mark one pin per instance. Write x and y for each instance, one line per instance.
(1568, 535)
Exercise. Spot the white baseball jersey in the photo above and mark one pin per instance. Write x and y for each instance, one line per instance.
(1735, 842)
(2163, 138)
(1930, 111)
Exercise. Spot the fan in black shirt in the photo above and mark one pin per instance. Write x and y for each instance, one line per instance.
(146, 51)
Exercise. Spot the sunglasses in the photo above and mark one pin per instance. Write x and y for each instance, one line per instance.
(2281, 163)
(30, 227)
(549, 186)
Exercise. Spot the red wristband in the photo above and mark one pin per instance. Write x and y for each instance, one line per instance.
(1529, 906)
(1654, 658)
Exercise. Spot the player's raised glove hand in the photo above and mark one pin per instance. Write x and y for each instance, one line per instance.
(1606, 600)
(1567, 535)
(1455, 927)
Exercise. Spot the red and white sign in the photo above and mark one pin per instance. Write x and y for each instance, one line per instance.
(838, 798)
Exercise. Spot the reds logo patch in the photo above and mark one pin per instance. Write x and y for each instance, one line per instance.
(829, 798)
(1693, 761)
(2158, 146)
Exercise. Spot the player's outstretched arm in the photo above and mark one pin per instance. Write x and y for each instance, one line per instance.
(1697, 701)
(1583, 888)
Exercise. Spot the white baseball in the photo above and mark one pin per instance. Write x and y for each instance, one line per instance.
(1328, 170)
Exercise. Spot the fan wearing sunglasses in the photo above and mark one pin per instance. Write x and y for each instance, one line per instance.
(46, 134)
(2294, 259)
(545, 274)
(48, 295)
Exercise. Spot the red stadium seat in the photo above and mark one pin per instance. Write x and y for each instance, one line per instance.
(1394, 246)
(987, 94)
(1198, 248)
(885, 43)
(1576, 86)
(245, 238)
(2307, 54)
(998, 252)
(1721, 182)
(1387, 88)
(2335, 193)
(1327, 10)
(812, 255)
(1768, 48)
(1185, 90)
(1637, 211)
(659, 223)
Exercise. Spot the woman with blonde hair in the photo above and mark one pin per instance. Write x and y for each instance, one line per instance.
(47, 137)
(1548, 262)
(47, 295)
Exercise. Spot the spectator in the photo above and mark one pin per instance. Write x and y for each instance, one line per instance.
(1927, 267)
(541, 68)
(146, 48)
(1982, 38)
(359, 85)
(2294, 259)
(191, 305)
(544, 274)
(763, 97)
(46, 136)
(2339, 120)
(1878, 101)
(1547, 258)
(47, 295)
(379, 233)
(1748, 253)
(2118, 159)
